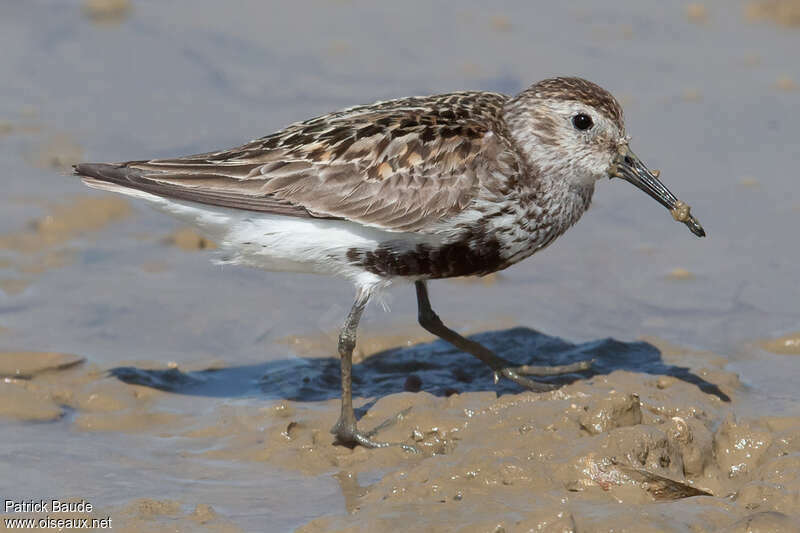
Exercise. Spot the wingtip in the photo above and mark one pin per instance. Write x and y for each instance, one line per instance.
(95, 170)
(81, 169)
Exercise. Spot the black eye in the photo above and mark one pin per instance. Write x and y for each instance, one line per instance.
(582, 121)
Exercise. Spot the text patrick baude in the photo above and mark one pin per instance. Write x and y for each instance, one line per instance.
(47, 506)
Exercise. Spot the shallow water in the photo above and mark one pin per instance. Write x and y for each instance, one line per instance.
(706, 99)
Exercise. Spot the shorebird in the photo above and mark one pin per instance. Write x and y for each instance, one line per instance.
(413, 189)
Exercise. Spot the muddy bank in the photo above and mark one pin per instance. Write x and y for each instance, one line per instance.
(662, 449)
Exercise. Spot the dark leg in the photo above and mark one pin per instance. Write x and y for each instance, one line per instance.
(429, 320)
(345, 429)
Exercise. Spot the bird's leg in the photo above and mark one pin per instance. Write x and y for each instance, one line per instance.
(429, 320)
(345, 429)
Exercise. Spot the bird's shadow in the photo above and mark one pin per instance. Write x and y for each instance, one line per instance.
(439, 368)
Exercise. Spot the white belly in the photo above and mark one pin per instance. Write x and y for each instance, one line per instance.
(281, 243)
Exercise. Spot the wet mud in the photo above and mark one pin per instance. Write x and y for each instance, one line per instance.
(650, 433)
(786, 345)
(187, 239)
(107, 12)
(58, 151)
(784, 13)
(46, 242)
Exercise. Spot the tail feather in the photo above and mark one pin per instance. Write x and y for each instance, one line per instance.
(112, 178)
(125, 178)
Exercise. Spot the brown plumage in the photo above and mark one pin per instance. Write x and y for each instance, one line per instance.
(394, 164)
(416, 188)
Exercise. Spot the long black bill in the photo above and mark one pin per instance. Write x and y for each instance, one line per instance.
(631, 169)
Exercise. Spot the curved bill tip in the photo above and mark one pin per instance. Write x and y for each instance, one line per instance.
(695, 227)
(631, 169)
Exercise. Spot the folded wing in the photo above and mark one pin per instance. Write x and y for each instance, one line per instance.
(397, 165)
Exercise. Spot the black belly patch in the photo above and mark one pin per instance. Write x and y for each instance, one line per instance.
(468, 257)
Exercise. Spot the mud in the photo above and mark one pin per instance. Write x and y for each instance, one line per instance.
(13, 286)
(45, 243)
(189, 240)
(787, 345)
(501, 23)
(25, 365)
(680, 274)
(785, 83)
(610, 448)
(65, 222)
(107, 12)
(781, 12)
(8, 128)
(697, 13)
(57, 152)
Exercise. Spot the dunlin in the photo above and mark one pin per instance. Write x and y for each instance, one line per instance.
(419, 188)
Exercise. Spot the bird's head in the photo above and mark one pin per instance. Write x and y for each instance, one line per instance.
(572, 129)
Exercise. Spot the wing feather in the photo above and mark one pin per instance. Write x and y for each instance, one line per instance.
(398, 165)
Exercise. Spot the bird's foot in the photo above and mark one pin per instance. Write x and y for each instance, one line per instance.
(517, 374)
(347, 433)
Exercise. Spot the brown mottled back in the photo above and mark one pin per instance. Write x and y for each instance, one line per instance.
(397, 165)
